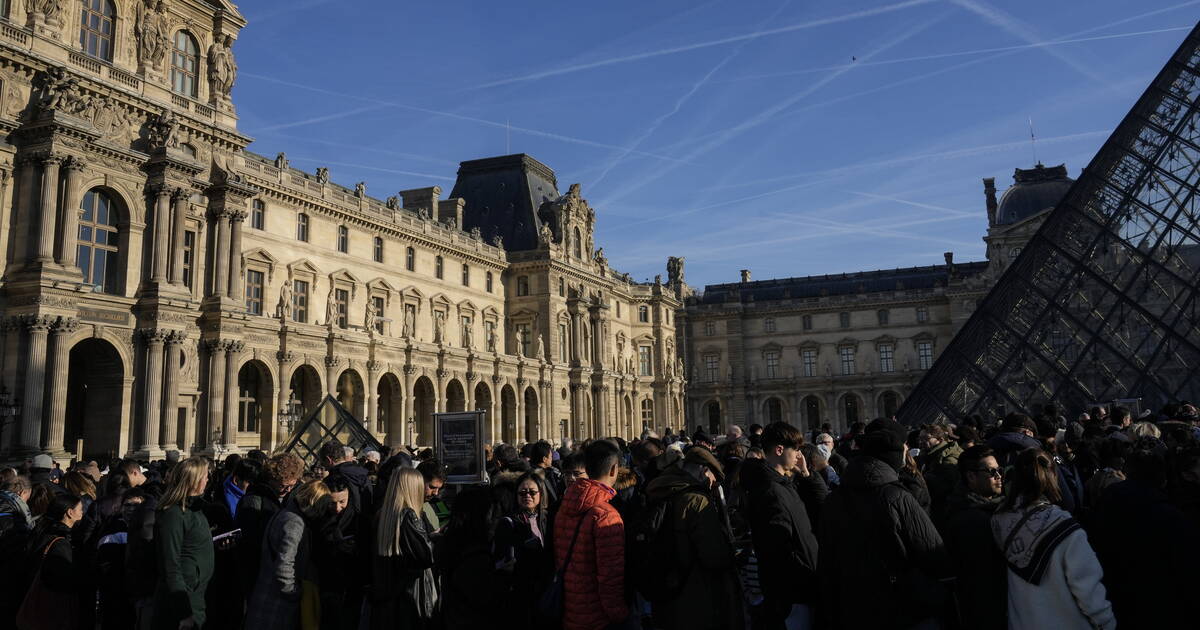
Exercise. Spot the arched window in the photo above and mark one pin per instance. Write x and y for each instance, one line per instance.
(578, 245)
(96, 29)
(99, 242)
(774, 410)
(185, 65)
(647, 413)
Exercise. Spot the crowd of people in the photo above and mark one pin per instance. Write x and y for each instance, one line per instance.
(1036, 522)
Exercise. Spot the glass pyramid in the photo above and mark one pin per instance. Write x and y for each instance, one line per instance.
(1102, 303)
(327, 421)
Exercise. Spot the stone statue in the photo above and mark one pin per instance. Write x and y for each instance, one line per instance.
(52, 11)
(163, 132)
(658, 279)
(574, 191)
(679, 367)
(222, 69)
(476, 233)
(331, 309)
(281, 161)
(541, 349)
(285, 300)
(392, 203)
(675, 270)
(153, 34)
(439, 327)
(410, 321)
(498, 241)
(491, 340)
(322, 175)
(599, 257)
(360, 189)
(468, 337)
(547, 235)
(59, 89)
(370, 315)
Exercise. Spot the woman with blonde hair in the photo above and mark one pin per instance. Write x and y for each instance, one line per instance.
(1053, 573)
(402, 593)
(183, 548)
(287, 573)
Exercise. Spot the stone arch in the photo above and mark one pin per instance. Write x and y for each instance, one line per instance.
(456, 397)
(508, 415)
(811, 410)
(389, 413)
(483, 402)
(305, 388)
(96, 408)
(850, 408)
(423, 409)
(712, 416)
(774, 409)
(255, 400)
(352, 394)
(887, 403)
(532, 426)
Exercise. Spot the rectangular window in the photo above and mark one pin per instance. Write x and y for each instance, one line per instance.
(712, 367)
(886, 358)
(806, 322)
(488, 281)
(189, 257)
(302, 227)
(847, 356)
(378, 249)
(466, 275)
(772, 358)
(844, 320)
(644, 314)
(522, 285)
(922, 314)
(343, 239)
(618, 309)
(254, 292)
(925, 354)
(258, 213)
(562, 342)
(300, 301)
(378, 323)
(769, 325)
(645, 367)
(523, 340)
(410, 259)
(341, 300)
(710, 329)
(437, 267)
(809, 360)
(466, 331)
(883, 316)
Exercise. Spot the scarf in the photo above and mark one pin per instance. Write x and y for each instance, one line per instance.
(1029, 535)
(20, 506)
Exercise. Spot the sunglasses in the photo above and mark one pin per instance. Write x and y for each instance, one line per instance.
(527, 493)
(994, 473)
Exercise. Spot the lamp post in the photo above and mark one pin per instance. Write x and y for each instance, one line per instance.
(218, 445)
(289, 415)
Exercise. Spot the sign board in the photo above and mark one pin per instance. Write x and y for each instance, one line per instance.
(459, 445)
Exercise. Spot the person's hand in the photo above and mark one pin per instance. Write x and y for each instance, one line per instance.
(801, 465)
(188, 624)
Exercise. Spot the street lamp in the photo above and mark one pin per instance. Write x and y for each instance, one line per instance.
(289, 415)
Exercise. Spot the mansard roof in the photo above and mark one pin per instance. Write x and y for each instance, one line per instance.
(503, 195)
(839, 284)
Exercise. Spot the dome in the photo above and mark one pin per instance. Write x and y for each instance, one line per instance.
(1033, 191)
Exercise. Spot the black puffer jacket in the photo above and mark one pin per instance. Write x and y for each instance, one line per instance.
(784, 540)
(982, 574)
(881, 557)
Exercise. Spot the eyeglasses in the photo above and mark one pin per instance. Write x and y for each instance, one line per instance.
(527, 493)
(994, 473)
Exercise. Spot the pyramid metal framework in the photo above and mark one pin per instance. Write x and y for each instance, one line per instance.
(1102, 304)
(327, 421)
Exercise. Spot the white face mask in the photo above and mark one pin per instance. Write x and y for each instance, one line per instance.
(824, 449)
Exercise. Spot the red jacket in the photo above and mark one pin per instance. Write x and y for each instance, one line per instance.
(594, 584)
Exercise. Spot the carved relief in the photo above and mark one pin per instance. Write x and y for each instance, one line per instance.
(16, 98)
(163, 132)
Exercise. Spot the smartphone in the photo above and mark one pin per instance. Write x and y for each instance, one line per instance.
(234, 534)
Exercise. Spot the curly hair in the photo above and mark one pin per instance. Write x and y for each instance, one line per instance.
(282, 470)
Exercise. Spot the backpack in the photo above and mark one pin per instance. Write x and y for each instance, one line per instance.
(653, 568)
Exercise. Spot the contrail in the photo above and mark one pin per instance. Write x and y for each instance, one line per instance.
(481, 121)
(1016, 28)
(915, 204)
(321, 119)
(857, 15)
(683, 99)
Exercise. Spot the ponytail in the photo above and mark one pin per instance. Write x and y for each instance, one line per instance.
(1034, 477)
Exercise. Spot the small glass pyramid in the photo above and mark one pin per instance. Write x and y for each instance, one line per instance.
(329, 420)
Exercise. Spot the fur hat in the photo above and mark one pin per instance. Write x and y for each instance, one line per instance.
(704, 457)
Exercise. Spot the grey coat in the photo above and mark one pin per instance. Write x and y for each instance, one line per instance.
(286, 563)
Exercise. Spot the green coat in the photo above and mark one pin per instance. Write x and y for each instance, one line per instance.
(184, 557)
(711, 596)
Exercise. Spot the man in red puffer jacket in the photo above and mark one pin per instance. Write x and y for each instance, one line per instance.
(594, 583)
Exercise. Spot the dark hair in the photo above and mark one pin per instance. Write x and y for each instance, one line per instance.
(503, 454)
(333, 451)
(599, 457)
(1147, 463)
(754, 427)
(857, 427)
(247, 470)
(1033, 477)
(967, 434)
(573, 461)
(257, 455)
(59, 506)
(470, 518)
(336, 483)
(971, 459)
(1118, 415)
(781, 434)
(936, 431)
(431, 469)
(539, 451)
(16, 484)
(536, 477)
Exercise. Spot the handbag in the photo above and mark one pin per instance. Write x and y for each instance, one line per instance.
(551, 604)
(45, 609)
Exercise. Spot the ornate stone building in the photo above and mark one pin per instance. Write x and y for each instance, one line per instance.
(845, 347)
(165, 288)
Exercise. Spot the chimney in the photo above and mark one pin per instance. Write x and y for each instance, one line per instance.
(451, 210)
(989, 192)
(745, 275)
(949, 256)
(419, 199)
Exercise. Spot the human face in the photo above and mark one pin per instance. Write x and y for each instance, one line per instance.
(73, 515)
(927, 441)
(340, 500)
(783, 458)
(136, 478)
(577, 473)
(528, 495)
(433, 488)
(987, 480)
(828, 442)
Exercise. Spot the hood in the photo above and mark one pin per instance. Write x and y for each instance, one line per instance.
(1008, 442)
(584, 495)
(865, 471)
(1027, 537)
(625, 479)
(506, 478)
(672, 481)
(946, 451)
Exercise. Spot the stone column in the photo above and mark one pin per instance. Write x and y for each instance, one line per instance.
(26, 202)
(35, 381)
(161, 196)
(230, 430)
(69, 230)
(170, 407)
(236, 219)
(217, 348)
(48, 208)
(439, 392)
(331, 375)
(372, 414)
(405, 436)
(285, 395)
(220, 282)
(152, 390)
(179, 199)
(519, 428)
(59, 365)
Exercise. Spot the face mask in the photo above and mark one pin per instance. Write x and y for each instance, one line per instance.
(824, 450)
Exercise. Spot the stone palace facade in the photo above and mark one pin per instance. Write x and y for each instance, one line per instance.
(846, 347)
(164, 288)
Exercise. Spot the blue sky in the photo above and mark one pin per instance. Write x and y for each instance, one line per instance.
(789, 138)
